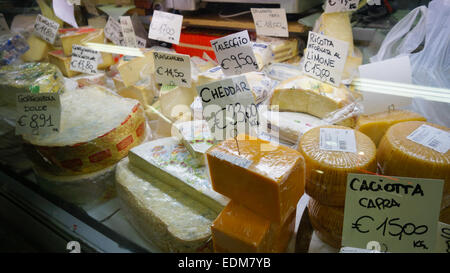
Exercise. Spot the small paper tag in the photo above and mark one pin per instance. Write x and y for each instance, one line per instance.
(128, 31)
(38, 114)
(235, 54)
(325, 58)
(84, 59)
(239, 161)
(3, 25)
(341, 5)
(113, 32)
(165, 27)
(340, 140)
(433, 138)
(172, 69)
(46, 28)
(270, 22)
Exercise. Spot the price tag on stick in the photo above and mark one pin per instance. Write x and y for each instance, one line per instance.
(165, 27)
(84, 59)
(235, 54)
(172, 69)
(397, 214)
(45, 28)
(38, 114)
(270, 22)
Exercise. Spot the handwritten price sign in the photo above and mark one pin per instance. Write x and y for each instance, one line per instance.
(165, 27)
(270, 22)
(84, 59)
(398, 214)
(172, 69)
(235, 54)
(341, 5)
(45, 28)
(38, 114)
(229, 107)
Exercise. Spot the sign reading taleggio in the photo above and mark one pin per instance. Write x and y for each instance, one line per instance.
(165, 27)
(325, 58)
(172, 69)
(113, 32)
(128, 31)
(270, 22)
(38, 114)
(397, 214)
(84, 59)
(229, 107)
(341, 5)
(235, 54)
(46, 28)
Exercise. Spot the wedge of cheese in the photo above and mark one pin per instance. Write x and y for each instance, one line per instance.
(79, 36)
(326, 171)
(264, 177)
(38, 49)
(165, 216)
(211, 75)
(176, 100)
(136, 69)
(327, 222)
(376, 125)
(169, 161)
(307, 95)
(97, 129)
(151, 112)
(399, 156)
(282, 48)
(58, 58)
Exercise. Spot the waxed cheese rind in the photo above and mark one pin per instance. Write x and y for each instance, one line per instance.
(164, 215)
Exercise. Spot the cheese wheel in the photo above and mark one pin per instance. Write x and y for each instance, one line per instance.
(376, 125)
(326, 171)
(97, 129)
(327, 221)
(399, 156)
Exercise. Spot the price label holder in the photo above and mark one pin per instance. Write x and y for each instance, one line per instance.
(431, 137)
(332, 6)
(165, 27)
(443, 238)
(172, 69)
(46, 28)
(235, 54)
(229, 107)
(325, 58)
(397, 214)
(270, 22)
(113, 32)
(38, 114)
(84, 59)
(128, 34)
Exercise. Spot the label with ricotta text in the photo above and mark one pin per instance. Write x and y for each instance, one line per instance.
(270, 22)
(46, 28)
(38, 114)
(340, 140)
(166, 27)
(431, 137)
(392, 214)
(172, 69)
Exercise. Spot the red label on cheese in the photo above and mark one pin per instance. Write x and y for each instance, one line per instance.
(124, 143)
(72, 164)
(140, 129)
(136, 107)
(97, 157)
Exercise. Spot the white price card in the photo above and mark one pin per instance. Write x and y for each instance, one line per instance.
(172, 69)
(235, 54)
(325, 58)
(38, 113)
(229, 107)
(431, 137)
(340, 140)
(129, 36)
(46, 28)
(165, 27)
(3, 25)
(84, 59)
(270, 22)
(113, 32)
(341, 5)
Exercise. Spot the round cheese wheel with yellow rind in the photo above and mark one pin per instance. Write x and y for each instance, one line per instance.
(327, 221)
(399, 156)
(326, 171)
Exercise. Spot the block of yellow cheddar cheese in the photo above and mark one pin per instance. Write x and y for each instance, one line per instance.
(58, 58)
(399, 156)
(376, 125)
(326, 170)
(264, 177)
(283, 234)
(38, 49)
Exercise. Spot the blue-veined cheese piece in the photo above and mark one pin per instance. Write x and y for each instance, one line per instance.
(169, 161)
(163, 215)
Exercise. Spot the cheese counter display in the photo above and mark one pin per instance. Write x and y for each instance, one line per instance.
(114, 148)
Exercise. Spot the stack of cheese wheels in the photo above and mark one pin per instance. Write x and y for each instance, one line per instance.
(399, 156)
(97, 129)
(326, 178)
